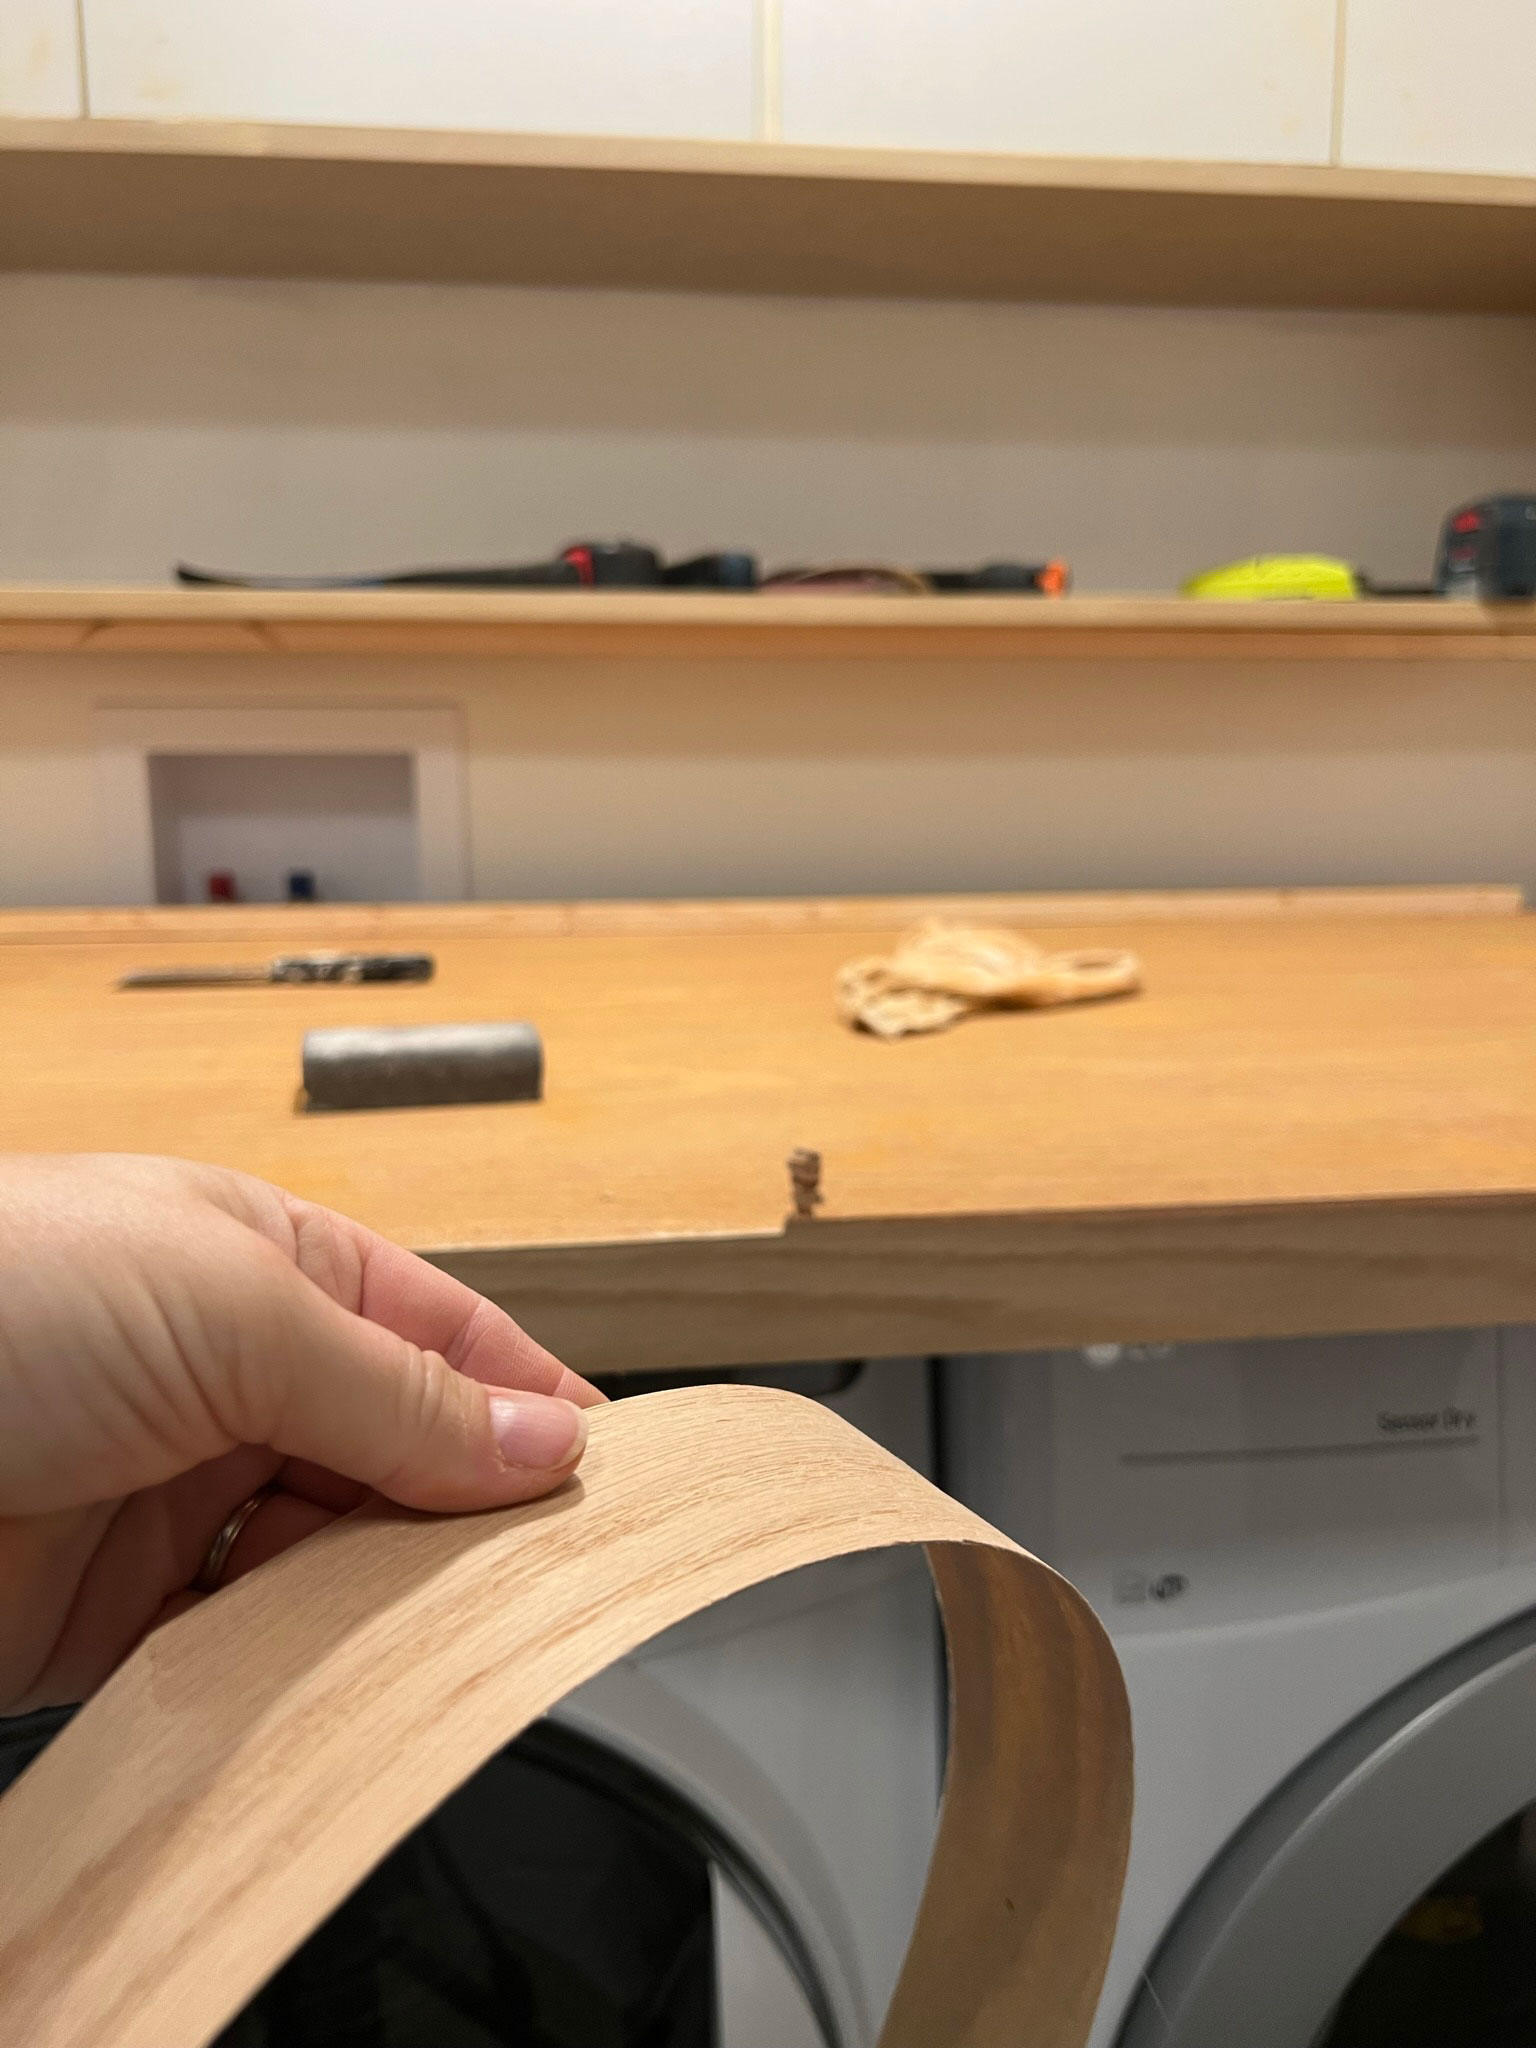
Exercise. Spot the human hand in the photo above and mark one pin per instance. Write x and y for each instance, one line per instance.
(174, 1338)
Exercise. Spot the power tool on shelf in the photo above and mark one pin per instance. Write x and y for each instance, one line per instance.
(584, 565)
(631, 565)
(1488, 549)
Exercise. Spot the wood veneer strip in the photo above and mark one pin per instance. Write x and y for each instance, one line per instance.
(254, 1759)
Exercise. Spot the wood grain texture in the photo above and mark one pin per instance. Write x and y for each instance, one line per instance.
(1319, 1115)
(676, 917)
(893, 1286)
(285, 1734)
(704, 625)
(221, 198)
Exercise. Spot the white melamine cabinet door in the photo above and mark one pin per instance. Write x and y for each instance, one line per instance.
(670, 67)
(1250, 80)
(1432, 88)
(39, 58)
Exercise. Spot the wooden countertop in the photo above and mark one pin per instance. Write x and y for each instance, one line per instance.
(1320, 1114)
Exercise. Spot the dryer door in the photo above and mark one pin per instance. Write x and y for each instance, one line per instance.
(565, 1897)
(1347, 1908)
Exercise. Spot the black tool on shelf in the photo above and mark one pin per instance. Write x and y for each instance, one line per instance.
(631, 565)
(584, 565)
(1041, 579)
(553, 575)
(1038, 579)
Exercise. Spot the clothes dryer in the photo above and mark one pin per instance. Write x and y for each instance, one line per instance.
(1317, 1560)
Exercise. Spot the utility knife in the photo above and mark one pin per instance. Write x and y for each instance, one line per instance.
(291, 967)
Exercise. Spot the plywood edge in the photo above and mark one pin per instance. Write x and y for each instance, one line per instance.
(137, 619)
(213, 198)
(686, 157)
(1063, 907)
(238, 924)
(288, 1731)
(889, 1286)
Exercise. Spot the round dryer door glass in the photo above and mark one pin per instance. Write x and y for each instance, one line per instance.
(1459, 1969)
(563, 1898)
(1384, 1896)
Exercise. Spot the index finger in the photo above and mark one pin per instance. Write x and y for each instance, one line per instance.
(427, 1307)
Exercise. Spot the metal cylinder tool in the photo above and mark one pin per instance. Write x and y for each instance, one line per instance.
(383, 1066)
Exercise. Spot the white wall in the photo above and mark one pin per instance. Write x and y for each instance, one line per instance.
(1248, 79)
(1404, 83)
(314, 427)
(341, 426)
(683, 67)
(614, 779)
(39, 59)
(1423, 96)
(310, 426)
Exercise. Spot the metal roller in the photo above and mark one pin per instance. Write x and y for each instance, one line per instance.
(385, 1066)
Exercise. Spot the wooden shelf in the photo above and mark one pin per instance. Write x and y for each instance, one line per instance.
(1319, 1115)
(675, 625)
(287, 201)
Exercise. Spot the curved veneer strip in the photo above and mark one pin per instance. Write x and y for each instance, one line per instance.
(257, 1757)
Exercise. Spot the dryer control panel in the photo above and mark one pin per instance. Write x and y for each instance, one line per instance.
(1205, 1484)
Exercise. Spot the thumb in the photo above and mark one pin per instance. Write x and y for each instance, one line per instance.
(348, 1394)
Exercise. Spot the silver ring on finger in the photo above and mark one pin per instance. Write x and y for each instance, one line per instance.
(210, 1573)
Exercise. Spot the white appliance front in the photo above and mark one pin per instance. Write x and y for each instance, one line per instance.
(800, 1721)
(1276, 1534)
